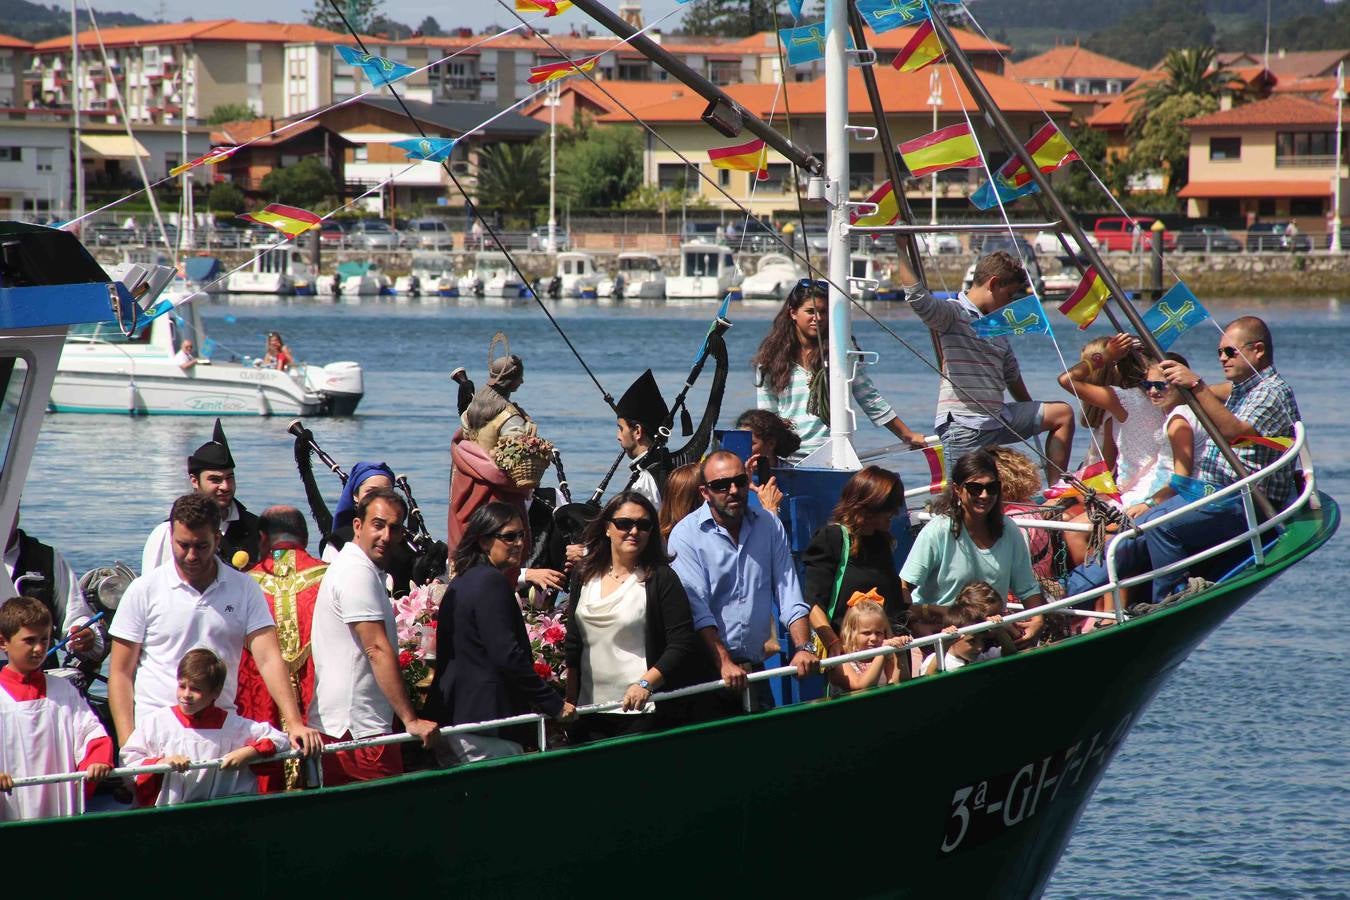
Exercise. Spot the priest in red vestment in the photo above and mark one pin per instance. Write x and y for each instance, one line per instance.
(289, 578)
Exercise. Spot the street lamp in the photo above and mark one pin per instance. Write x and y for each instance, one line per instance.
(935, 101)
(1336, 176)
(551, 100)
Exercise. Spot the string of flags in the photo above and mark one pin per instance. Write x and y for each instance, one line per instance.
(805, 43)
(289, 220)
(1175, 313)
(921, 50)
(952, 147)
(379, 70)
(887, 212)
(550, 72)
(1096, 476)
(1087, 300)
(549, 8)
(426, 148)
(751, 156)
(210, 158)
(1025, 316)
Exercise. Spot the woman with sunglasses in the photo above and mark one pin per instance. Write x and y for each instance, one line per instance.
(790, 373)
(630, 632)
(484, 665)
(853, 554)
(969, 539)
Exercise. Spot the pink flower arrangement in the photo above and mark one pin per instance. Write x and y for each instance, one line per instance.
(547, 633)
(415, 619)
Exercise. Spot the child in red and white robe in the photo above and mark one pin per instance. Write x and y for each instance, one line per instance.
(195, 730)
(46, 727)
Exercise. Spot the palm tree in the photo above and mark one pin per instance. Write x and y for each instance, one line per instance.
(512, 177)
(1188, 71)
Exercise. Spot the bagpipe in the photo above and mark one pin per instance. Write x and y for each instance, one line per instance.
(569, 520)
(429, 557)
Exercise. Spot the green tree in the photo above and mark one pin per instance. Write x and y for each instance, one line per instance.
(1139, 37)
(225, 197)
(735, 18)
(602, 168)
(430, 28)
(361, 13)
(1163, 143)
(305, 184)
(1187, 71)
(1078, 188)
(230, 112)
(512, 177)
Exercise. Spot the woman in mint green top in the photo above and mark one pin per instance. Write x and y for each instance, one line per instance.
(970, 540)
(789, 364)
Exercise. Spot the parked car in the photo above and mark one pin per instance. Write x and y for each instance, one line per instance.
(1207, 239)
(430, 234)
(1047, 243)
(940, 243)
(110, 235)
(983, 244)
(332, 234)
(374, 234)
(1272, 236)
(538, 239)
(1126, 234)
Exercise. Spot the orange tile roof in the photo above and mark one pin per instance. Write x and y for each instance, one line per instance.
(895, 39)
(903, 93)
(253, 131)
(1320, 187)
(1284, 109)
(1072, 61)
(212, 30)
(633, 94)
(1292, 64)
(13, 43)
(1120, 112)
(566, 44)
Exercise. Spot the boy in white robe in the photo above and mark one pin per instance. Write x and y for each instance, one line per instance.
(46, 727)
(195, 730)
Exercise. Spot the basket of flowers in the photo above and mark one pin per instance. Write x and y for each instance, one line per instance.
(523, 457)
(415, 619)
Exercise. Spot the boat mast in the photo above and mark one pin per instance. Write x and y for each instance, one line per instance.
(842, 455)
(994, 116)
(75, 114)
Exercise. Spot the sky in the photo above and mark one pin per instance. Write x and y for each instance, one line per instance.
(453, 14)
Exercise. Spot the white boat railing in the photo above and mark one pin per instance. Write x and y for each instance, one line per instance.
(1307, 497)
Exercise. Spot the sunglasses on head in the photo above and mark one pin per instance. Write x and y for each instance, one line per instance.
(722, 485)
(625, 524)
(814, 283)
(510, 537)
(980, 488)
(1153, 385)
(1230, 352)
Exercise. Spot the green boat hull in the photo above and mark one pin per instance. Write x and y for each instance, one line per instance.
(978, 776)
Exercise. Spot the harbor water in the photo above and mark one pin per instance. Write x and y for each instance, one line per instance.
(1231, 783)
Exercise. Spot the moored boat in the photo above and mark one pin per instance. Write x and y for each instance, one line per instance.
(282, 270)
(638, 276)
(777, 274)
(707, 272)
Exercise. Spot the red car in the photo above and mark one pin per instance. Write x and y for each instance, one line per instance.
(1127, 234)
(331, 233)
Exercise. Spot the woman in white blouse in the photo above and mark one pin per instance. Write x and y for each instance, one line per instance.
(629, 629)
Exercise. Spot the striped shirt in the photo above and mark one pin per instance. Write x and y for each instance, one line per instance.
(791, 405)
(977, 370)
(1266, 402)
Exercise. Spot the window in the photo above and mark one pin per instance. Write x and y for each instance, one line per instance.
(361, 153)
(724, 71)
(1225, 149)
(672, 177)
(1265, 206)
(11, 154)
(779, 180)
(635, 71)
(1307, 206)
(488, 76)
(1305, 148)
(13, 377)
(724, 178)
(860, 170)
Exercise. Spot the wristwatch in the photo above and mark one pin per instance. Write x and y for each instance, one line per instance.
(807, 648)
(644, 684)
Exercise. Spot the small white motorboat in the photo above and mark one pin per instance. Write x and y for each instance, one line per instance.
(498, 276)
(103, 370)
(280, 270)
(431, 275)
(576, 275)
(639, 277)
(707, 272)
(776, 276)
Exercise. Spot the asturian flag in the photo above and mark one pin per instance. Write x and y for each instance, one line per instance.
(429, 149)
(1025, 316)
(883, 15)
(805, 43)
(989, 194)
(1174, 314)
(379, 70)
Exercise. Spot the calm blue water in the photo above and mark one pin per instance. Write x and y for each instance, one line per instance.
(1230, 785)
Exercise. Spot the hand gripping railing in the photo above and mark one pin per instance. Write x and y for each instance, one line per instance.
(1306, 497)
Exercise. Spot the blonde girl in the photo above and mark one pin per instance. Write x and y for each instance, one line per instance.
(866, 627)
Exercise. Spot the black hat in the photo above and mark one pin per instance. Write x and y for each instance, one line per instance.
(642, 403)
(214, 454)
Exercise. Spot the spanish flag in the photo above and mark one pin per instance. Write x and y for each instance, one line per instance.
(888, 208)
(748, 157)
(1087, 299)
(952, 147)
(937, 468)
(289, 220)
(1050, 150)
(217, 154)
(549, 8)
(922, 49)
(560, 70)
(1096, 476)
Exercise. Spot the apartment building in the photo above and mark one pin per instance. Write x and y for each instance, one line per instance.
(13, 56)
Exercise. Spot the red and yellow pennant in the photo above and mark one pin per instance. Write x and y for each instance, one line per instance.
(937, 468)
(952, 147)
(1096, 476)
(217, 154)
(888, 208)
(1049, 149)
(751, 156)
(560, 70)
(549, 8)
(1087, 299)
(289, 220)
(1278, 444)
(922, 49)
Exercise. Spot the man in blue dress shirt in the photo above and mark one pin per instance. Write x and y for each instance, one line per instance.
(736, 567)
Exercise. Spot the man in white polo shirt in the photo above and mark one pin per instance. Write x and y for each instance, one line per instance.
(196, 602)
(358, 689)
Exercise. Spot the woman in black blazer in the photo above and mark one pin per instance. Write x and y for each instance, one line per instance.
(629, 629)
(484, 666)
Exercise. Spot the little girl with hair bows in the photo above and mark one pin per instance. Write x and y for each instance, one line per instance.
(866, 627)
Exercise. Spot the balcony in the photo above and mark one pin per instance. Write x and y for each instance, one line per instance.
(1327, 161)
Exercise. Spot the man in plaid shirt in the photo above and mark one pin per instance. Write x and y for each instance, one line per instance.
(1255, 400)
